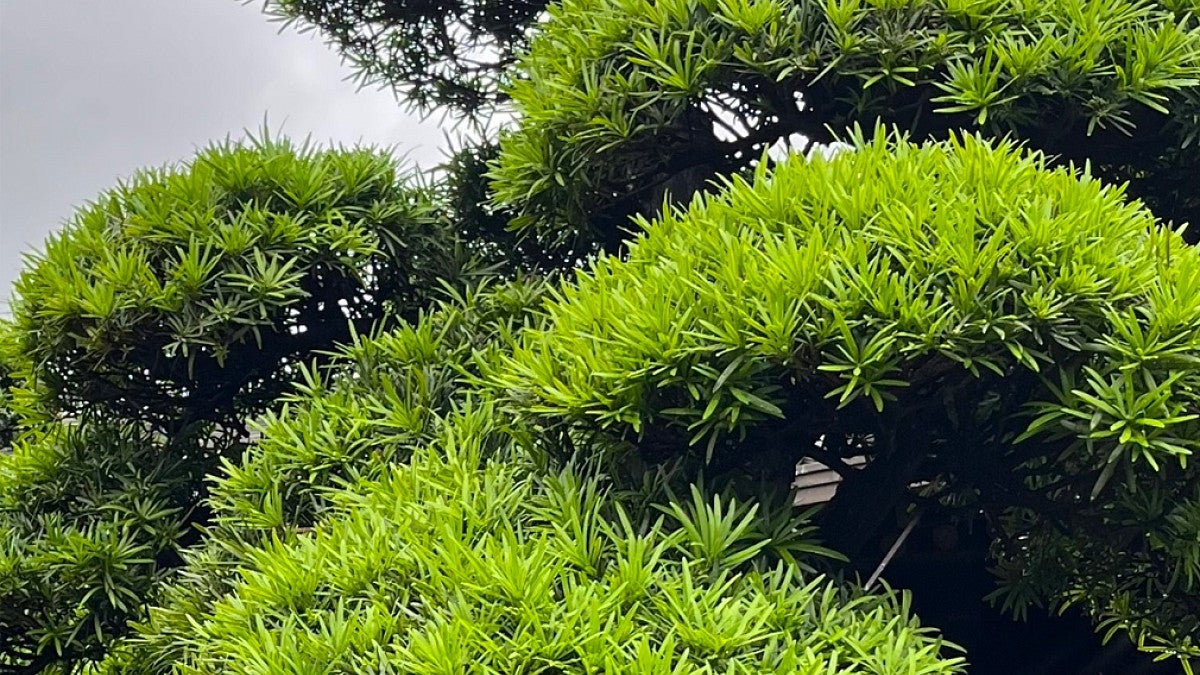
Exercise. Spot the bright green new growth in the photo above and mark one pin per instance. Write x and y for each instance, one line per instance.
(1022, 342)
(368, 408)
(151, 329)
(623, 100)
(461, 560)
(180, 297)
(436, 547)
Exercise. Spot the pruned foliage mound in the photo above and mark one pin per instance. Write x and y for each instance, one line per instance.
(460, 559)
(149, 331)
(91, 518)
(388, 501)
(374, 402)
(1022, 343)
(622, 101)
(182, 296)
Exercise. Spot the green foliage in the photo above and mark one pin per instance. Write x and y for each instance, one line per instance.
(383, 522)
(461, 560)
(622, 101)
(346, 422)
(463, 187)
(379, 398)
(1022, 341)
(8, 416)
(151, 329)
(90, 519)
(183, 295)
(446, 53)
(594, 475)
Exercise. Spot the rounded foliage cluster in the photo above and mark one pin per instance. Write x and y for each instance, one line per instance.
(461, 559)
(624, 100)
(1023, 342)
(91, 519)
(387, 500)
(180, 296)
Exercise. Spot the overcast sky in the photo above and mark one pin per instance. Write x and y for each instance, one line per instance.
(91, 90)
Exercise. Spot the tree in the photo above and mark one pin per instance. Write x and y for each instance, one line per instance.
(453, 54)
(613, 469)
(389, 500)
(623, 100)
(594, 471)
(994, 337)
(146, 334)
(183, 297)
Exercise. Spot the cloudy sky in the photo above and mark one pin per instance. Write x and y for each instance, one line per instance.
(92, 90)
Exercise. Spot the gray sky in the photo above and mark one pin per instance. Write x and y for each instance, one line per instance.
(91, 90)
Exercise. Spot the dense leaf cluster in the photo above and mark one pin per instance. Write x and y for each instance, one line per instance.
(91, 518)
(1020, 342)
(180, 296)
(8, 417)
(406, 533)
(623, 100)
(459, 561)
(283, 409)
(145, 335)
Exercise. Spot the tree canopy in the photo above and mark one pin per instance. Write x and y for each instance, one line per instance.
(181, 295)
(968, 342)
(286, 409)
(621, 100)
(162, 318)
(447, 53)
(1017, 341)
(435, 499)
